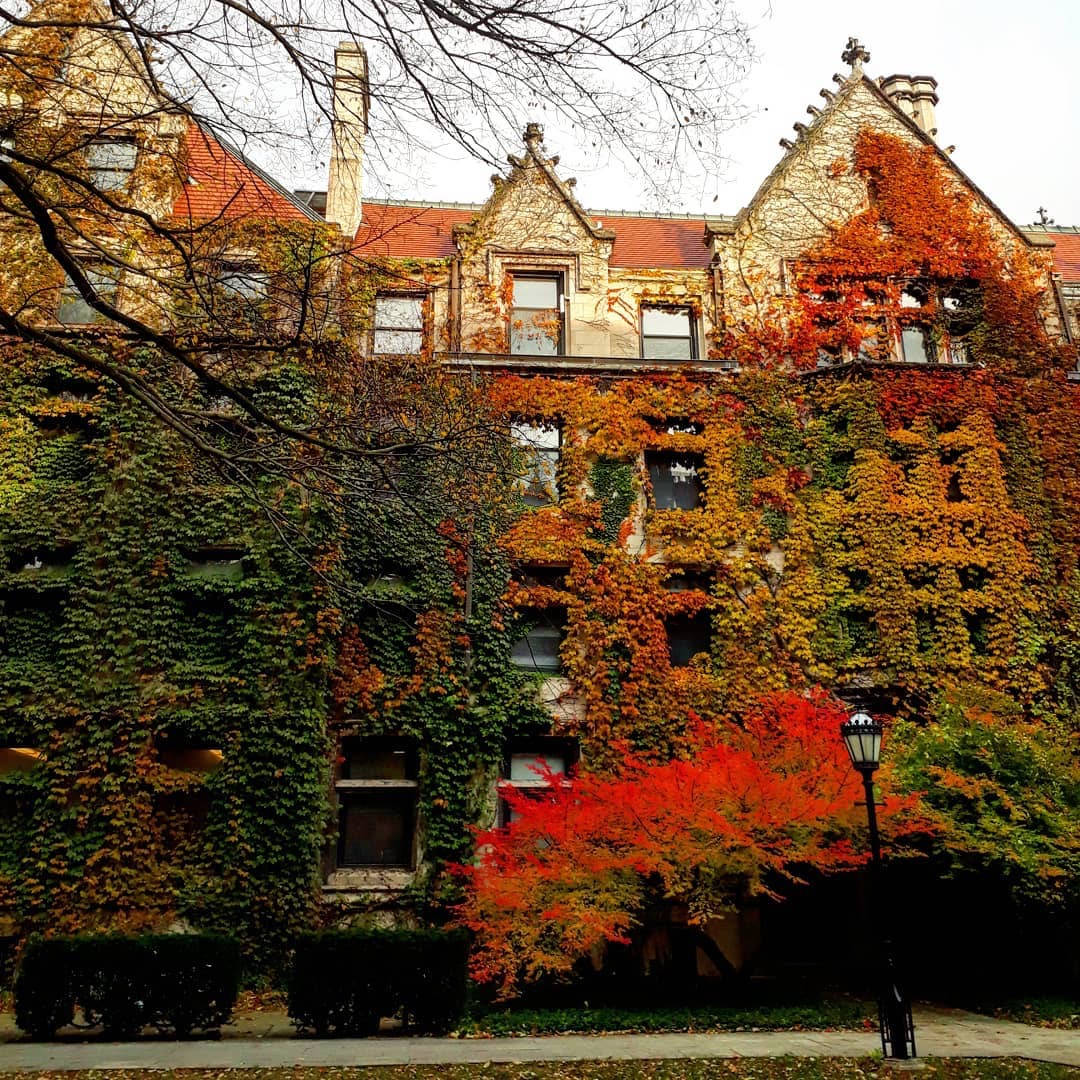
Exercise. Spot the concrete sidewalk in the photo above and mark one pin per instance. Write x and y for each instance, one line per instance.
(939, 1033)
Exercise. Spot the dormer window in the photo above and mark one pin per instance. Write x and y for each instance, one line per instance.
(110, 162)
(667, 333)
(537, 324)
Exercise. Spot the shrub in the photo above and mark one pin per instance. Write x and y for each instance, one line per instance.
(345, 981)
(175, 982)
(44, 997)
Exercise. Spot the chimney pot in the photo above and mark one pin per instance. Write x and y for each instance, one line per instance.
(915, 96)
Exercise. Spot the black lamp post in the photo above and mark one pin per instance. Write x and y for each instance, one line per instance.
(862, 737)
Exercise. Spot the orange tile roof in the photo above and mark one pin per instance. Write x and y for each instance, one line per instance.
(426, 232)
(1066, 254)
(219, 182)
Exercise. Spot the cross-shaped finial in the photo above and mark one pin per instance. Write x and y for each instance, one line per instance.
(856, 55)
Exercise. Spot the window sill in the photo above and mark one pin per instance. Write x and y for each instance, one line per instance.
(369, 879)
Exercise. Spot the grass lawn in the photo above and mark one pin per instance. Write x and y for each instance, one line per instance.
(763, 1069)
(818, 1016)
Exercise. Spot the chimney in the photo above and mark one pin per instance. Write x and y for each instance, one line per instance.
(915, 96)
(345, 186)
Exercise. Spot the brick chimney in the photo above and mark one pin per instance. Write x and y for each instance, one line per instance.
(345, 186)
(916, 96)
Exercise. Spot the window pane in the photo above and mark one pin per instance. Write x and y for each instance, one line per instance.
(379, 763)
(688, 636)
(376, 830)
(111, 155)
(398, 341)
(666, 322)
(248, 283)
(675, 481)
(916, 346)
(534, 333)
(536, 292)
(74, 310)
(523, 766)
(658, 348)
(538, 650)
(110, 163)
(535, 436)
(399, 312)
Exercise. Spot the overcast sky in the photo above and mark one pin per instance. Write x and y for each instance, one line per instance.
(1008, 77)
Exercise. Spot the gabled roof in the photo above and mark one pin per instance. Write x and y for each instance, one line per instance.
(822, 116)
(1066, 252)
(222, 182)
(413, 230)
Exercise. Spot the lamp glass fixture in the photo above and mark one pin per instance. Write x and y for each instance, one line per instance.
(862, 737)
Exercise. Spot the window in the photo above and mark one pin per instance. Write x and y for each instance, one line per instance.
(688, 635)
(524, 763)
(678, 425)
(667, 333)
(399, 324)
(536, 316)
(73, 310)
(539, 445)
(377, 795)
(916, 345)
(676, 479)
(538, 649)
(244, 282)
(110, 163)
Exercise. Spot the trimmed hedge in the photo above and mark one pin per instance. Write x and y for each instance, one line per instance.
(174, 982)
(345, 981)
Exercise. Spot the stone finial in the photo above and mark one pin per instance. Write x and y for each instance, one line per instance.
(856, 55)
(534, 136)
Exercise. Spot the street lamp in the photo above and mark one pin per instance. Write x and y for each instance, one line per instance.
(862, 737)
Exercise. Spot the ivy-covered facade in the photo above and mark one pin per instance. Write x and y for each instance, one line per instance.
(829, 441)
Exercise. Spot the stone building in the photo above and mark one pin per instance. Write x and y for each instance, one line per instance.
(622, 349)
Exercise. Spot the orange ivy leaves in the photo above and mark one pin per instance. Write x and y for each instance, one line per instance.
(748, 807)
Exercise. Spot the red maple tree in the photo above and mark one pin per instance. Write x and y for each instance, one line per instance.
(752, 804)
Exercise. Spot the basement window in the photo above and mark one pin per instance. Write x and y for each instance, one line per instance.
(676, 479)
(399, 325)
(377, 795)
(667, 333)
(111, 162)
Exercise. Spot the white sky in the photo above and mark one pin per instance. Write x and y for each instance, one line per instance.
(1008, 77)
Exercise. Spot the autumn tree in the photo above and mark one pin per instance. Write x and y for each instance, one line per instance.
(746, 809)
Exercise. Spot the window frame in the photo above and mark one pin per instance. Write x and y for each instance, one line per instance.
(376, 329)
(550, 617)
(397, 795)
(704, 620)
(97, 171)
(548, 747)
(539, 274)
(535, 453)
(68, 288)
(692, 332)
(656, 456)
(250, 271)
